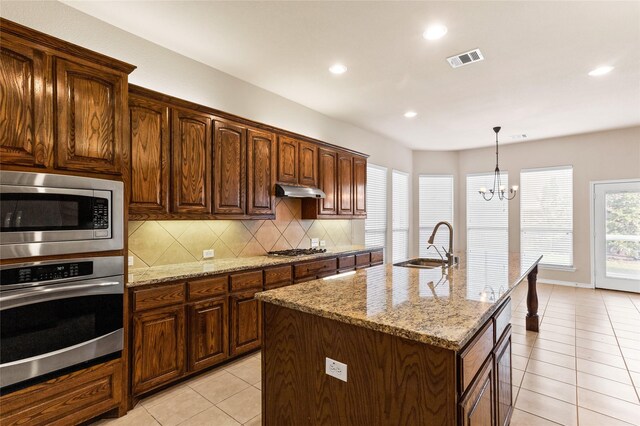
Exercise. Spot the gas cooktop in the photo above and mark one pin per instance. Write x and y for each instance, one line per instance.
(297, 252)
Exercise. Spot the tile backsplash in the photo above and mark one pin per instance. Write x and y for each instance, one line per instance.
(153, 243)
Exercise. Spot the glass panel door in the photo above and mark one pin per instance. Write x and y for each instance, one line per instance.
(617, 236)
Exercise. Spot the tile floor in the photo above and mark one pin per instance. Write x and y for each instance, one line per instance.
(583, 368)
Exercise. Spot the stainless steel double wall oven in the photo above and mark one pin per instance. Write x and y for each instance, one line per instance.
(57, 314)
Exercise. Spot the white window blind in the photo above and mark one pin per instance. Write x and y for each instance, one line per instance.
(375, 225)
(546, 215)
(487, 239)
(400, 216)
(435, 199)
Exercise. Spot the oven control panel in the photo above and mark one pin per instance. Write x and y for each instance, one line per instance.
(38, 273)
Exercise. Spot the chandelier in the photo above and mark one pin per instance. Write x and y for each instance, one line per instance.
(497, 183)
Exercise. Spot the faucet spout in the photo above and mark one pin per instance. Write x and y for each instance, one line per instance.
(433, 236)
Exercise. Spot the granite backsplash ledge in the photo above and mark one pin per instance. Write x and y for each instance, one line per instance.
(155, 243)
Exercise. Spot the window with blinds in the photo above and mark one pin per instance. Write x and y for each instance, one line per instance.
(400, 216)
(435, 203)
(487, 239)
(546, 216)
(375, 225)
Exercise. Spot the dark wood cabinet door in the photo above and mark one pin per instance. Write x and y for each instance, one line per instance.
(345, 184)
(478, 406)
(307, 164)
(90, 104)
(261, 172)
(191, 162)
(150, 151)
(360, 186)
(229, 167)
(287, 160)
(504, 400)
(25, 116)
(246, 322)
(208, 339)
(328, 173)
(158, 347)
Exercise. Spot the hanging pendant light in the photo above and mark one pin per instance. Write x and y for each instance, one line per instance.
(498, 187)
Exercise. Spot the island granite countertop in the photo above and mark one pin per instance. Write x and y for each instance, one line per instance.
(184, 271)
(441, 307)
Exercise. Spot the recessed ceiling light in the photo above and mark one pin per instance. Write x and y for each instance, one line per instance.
(434, 32)
(337, 69)
(410, 114)
(600, 71)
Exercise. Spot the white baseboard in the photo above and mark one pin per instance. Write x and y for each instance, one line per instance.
(565, 283)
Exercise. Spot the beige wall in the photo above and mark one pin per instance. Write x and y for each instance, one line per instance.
(154, 243)
(607, 155)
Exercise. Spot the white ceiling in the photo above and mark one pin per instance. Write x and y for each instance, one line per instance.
(533, 79)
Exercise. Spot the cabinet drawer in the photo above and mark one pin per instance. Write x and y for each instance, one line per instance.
(69, 399)
(502, 319)
(377, 257)
(246, 280)
(208, 287)
(346, 262)
(158, 296)
(475, 354)
(363, 260)
(277, 277)
(313, 269)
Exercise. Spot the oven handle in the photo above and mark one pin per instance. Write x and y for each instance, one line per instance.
(33, 295)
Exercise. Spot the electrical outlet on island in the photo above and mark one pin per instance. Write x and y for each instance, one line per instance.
(336, 369)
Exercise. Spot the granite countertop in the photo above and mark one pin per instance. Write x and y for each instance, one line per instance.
(184, 271)
(440, 307)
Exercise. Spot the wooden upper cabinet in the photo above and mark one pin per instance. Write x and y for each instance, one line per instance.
(287, 160)
(261, 172)
(90, 107)
(345, 184)
(191, 162)
(25, 116)
(307, 164)
(150, 150)
(229, 167)
(359, 186)
(328, 171)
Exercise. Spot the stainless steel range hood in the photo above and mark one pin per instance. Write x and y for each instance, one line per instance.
(293, 191)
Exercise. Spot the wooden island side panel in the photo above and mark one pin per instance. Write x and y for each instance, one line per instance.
(390, 380)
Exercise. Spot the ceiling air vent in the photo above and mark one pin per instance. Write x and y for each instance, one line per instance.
(465, 58)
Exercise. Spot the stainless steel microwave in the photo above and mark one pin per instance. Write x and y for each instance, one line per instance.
(47, 214)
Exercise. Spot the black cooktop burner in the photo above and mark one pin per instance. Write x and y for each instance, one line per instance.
(297, 252)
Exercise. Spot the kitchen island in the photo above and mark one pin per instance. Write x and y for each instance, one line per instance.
(416, 346)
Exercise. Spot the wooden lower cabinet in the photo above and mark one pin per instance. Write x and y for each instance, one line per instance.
(69, 399)
(477, 408)
(504, 399)
(179, 329)
(208, 339)
(158, 347)
(245, 323)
